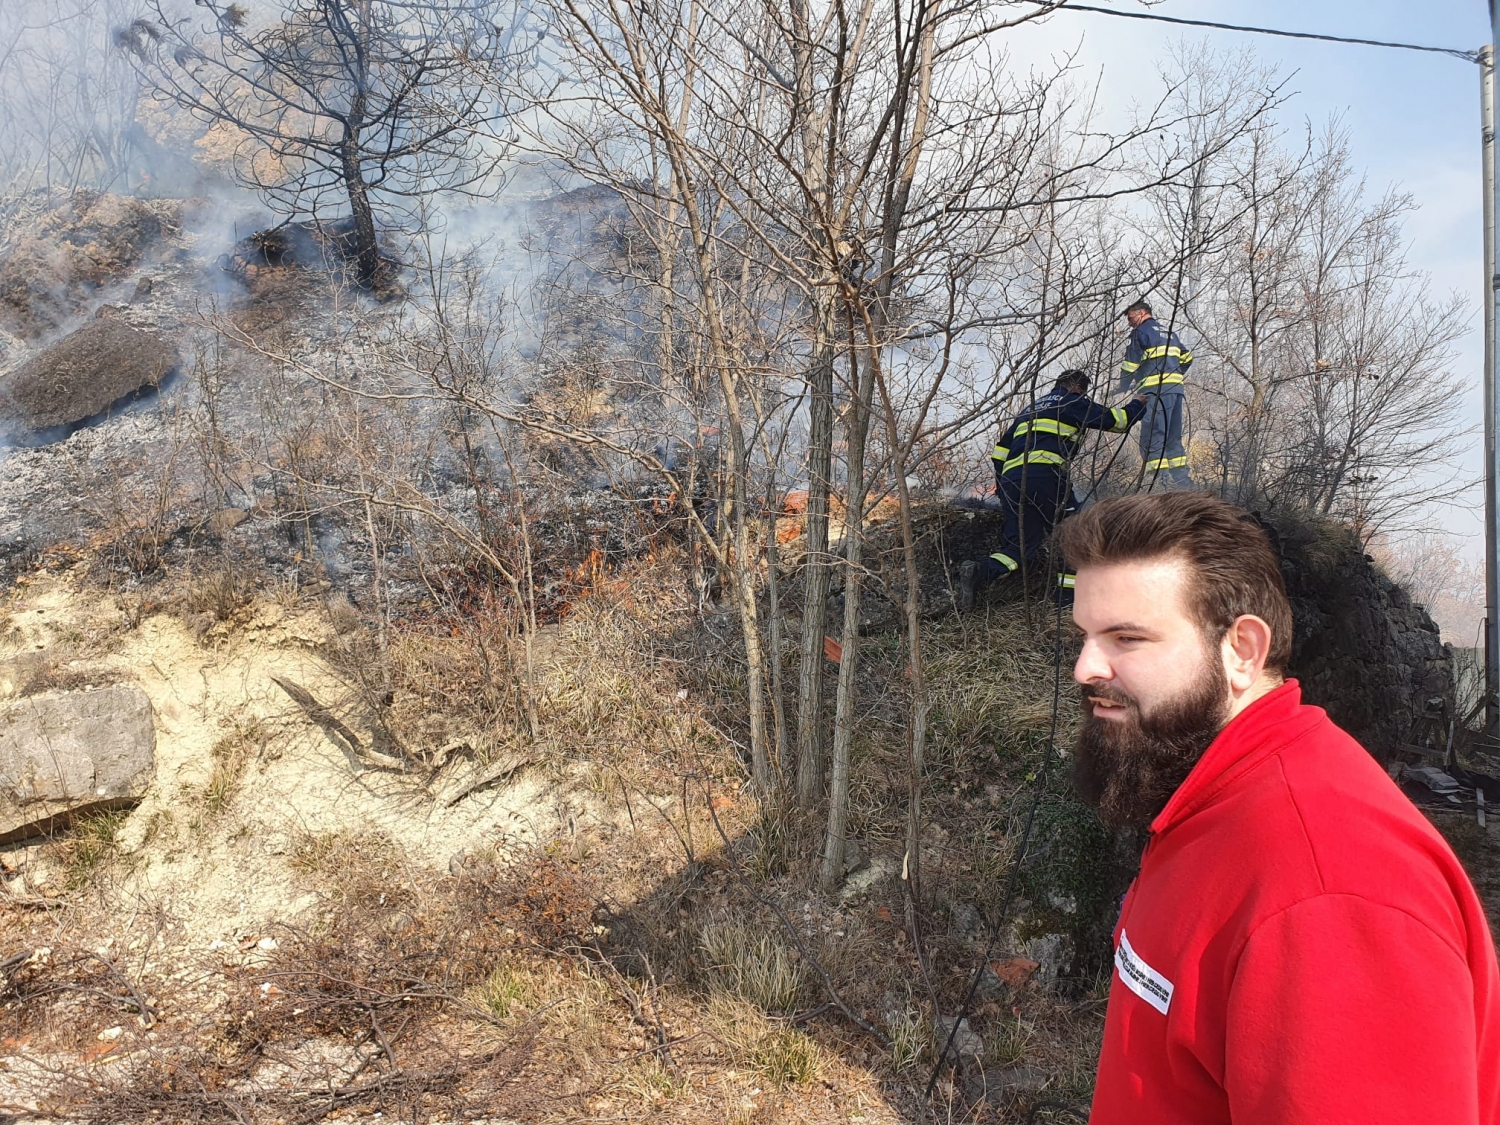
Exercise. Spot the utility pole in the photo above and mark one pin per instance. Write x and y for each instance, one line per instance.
(1491, 377)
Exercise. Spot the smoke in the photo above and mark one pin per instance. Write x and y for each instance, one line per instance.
(71, 116)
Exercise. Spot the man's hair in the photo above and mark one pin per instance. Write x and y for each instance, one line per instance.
(1139, 306)
(1075, 379)
(1233, 567)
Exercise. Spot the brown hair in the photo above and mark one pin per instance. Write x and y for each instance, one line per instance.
(1235, 569)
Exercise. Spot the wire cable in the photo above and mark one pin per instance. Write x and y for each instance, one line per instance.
(1467, 56)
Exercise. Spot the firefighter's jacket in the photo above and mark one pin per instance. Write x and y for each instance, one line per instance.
(1155, 360)
(1044, 438)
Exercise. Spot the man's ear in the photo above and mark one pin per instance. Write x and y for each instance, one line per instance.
(1247, 643)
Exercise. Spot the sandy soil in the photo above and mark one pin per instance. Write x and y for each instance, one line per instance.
(211, 875)
(193, 892)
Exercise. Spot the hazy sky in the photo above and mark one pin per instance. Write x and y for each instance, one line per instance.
(1413, 118)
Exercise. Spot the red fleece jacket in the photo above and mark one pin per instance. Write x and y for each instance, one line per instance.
(1300, 946)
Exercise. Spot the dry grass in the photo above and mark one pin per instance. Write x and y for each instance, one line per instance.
(778, 1053)
(510, 989)
(231, 755)
(212, 599)
(452, 677)
(911, 1037)
(90, 846)
(437, 999)
(50, 672)
(640, 974)
(753, 964)
(785, 1056)
(353, 870)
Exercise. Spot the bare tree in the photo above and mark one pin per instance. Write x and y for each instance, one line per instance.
(361, 106)
(69, 113)
(1325, 366)
(856, 215)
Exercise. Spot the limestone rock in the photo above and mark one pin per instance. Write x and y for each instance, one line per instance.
(1011, 1082)
(77, 752)
(854, 857)
(967, 1043)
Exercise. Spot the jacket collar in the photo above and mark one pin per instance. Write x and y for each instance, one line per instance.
(1272, 722)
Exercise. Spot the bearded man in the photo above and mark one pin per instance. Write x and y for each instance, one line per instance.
(1300, 945)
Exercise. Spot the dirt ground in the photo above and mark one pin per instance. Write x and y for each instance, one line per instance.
(203, 937)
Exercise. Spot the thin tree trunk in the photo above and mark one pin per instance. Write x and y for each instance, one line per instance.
(743, 570)
(742, 563)
(813, 110)
(847, 694)
(904, 160)
(815, 602)
(366, 243)
(773, 607)
(916, 764)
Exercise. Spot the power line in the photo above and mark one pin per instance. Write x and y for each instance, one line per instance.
(1467, 56)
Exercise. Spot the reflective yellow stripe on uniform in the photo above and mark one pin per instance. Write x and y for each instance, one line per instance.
(1047, 426)
(1066, 581)
(1129, 368)
(1035, 457)
(1122, 420)
(1000, 454)
(1160, 380)
(1166, 463)
(1166, 350)
(1005, 560)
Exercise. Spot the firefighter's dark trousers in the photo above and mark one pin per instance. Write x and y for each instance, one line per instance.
(1161, 442)
(1034, 498)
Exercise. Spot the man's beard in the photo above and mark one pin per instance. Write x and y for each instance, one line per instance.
(1128, 769)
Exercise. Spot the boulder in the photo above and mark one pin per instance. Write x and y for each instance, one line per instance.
(101, 365)
(1361, 648)
(72, 753)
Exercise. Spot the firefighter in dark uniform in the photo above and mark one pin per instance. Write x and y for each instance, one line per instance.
(1155, 366)
(1031, 476)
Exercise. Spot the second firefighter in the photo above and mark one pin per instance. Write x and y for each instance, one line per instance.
(1155, 366)
(1031, 475)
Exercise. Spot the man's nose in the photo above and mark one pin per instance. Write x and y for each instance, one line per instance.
(1091, 665)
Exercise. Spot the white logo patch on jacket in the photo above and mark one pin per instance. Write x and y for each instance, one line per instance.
(1141, 978)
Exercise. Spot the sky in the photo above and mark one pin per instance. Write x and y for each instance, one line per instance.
(1413, 122)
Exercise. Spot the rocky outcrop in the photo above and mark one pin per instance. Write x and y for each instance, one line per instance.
(83, 375)
(72, 753)
(1362, 649)
(64, 255)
